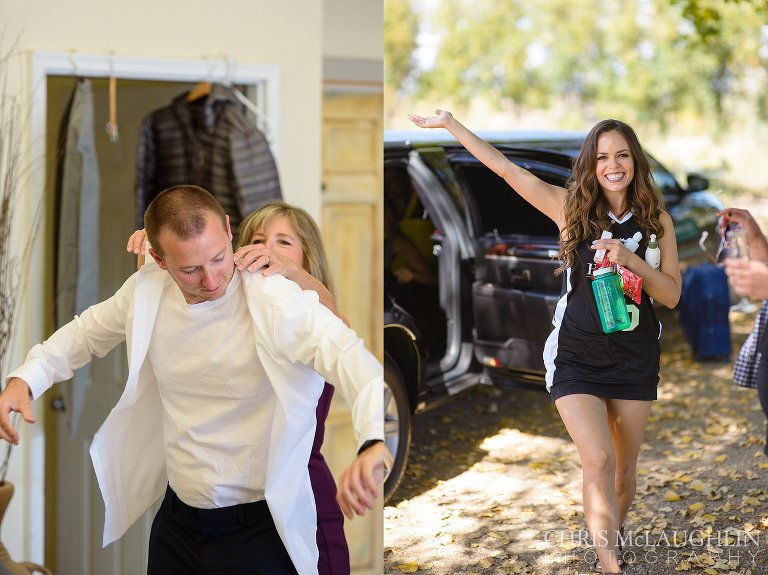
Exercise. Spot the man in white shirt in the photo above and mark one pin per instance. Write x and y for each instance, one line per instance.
(225, 370)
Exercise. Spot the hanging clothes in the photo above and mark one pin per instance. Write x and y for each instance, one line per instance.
(77, 201)
(207, 142)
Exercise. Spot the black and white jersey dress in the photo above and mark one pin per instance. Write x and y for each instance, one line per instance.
(580, 357)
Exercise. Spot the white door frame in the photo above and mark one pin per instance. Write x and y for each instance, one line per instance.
(263, 78)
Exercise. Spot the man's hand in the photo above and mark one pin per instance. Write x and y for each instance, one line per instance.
(748, 277)
(35, 568)
(360, 483)
(14, 398)
(404, 275)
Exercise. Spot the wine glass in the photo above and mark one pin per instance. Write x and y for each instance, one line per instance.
(734, 246)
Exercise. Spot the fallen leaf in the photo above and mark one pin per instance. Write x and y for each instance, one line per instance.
(694, 507)
(671, 496)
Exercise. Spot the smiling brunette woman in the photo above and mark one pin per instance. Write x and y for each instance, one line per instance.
(601, 383)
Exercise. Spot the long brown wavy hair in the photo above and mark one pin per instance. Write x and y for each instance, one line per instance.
(586, 208)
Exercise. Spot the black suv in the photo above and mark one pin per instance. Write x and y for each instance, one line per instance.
(477, 302)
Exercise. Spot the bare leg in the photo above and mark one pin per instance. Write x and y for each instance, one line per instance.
(586, 419)
(627, 420)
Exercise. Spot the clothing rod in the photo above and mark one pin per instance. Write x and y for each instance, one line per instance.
(144, 68)
(263, 77)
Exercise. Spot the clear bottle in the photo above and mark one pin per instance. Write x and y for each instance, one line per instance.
(634, 242)
(609, 296)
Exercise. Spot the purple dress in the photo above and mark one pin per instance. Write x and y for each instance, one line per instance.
(334, 554)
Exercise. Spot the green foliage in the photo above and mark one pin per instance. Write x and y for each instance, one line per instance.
(650, 61)
(400, 29)
(709, 17)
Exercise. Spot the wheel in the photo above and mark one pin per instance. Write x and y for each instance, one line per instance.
(397, 423)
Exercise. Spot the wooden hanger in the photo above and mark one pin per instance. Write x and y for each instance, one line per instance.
(75, 67)
(202, 90)
(111, 126)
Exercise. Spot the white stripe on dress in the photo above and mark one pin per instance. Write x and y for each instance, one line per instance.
(550, 347)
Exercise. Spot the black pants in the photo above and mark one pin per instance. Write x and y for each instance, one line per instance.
(239, 539)
(762, 389)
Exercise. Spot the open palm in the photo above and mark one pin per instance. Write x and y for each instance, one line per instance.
(439, 120)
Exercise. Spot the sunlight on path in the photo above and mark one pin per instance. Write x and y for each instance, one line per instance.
(495, 486)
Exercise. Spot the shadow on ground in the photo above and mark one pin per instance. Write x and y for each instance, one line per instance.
(494, 482)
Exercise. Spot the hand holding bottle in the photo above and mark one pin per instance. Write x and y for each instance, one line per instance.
(615, 251)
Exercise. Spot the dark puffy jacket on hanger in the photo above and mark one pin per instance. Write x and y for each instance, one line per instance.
(208, 143)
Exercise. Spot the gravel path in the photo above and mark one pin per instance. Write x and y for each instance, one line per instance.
(494, 484)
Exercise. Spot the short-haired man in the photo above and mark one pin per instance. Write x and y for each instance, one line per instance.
(225, 370)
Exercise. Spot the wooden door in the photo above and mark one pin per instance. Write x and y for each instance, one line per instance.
(353, 235)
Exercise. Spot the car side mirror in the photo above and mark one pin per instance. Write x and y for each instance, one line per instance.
(697, 183)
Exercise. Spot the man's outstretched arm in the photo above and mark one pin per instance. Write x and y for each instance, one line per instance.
(96, 331)
(15, 398)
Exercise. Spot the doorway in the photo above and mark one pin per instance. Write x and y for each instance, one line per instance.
(74, 510)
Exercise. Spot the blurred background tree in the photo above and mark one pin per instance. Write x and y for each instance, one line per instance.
(402, 25)
(690, 75)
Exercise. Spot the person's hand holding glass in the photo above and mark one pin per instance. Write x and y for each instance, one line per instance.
(748, 277)
(733, 249)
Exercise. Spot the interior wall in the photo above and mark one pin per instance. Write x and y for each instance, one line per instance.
(248, 31)
(353, 29)
(252, 31)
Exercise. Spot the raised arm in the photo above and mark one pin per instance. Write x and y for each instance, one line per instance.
(545, 197)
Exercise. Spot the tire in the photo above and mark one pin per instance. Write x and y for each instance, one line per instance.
(397, 424)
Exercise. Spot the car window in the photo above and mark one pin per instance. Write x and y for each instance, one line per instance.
(441, 167)
(666, 181)
(500, 210)
(400, 194)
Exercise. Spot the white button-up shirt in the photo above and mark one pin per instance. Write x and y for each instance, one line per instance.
(300, 344)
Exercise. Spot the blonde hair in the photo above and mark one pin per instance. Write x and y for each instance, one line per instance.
(315, 260)
(586, 208)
